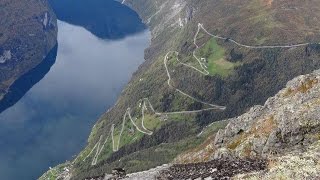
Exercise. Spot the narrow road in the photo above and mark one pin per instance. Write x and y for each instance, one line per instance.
(252, 47)
(214, 107)
(145, 102)
(144, 107)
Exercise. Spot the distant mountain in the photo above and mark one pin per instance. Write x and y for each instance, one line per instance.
(111, 19)
(28, 32)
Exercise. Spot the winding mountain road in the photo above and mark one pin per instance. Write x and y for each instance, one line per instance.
(146, 102)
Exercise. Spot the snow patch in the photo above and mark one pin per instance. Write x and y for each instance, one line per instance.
(45, 20)
(5, 56)
(180, 22)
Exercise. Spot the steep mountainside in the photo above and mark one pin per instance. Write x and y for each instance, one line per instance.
(281, 138)
(209, 60)
(285, 131)
(28, 32)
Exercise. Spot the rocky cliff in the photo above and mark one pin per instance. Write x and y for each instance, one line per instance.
(285, 131)
(28, 32)
(288, 121)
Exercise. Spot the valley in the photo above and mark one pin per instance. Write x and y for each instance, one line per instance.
(229, 88)
(194, 76)
(99, 147)
(62, 97)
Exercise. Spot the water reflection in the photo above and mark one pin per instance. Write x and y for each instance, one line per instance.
(25, 83)
(52, 121)
(107, 19)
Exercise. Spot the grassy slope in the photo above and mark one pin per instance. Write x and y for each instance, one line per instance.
(215, 58)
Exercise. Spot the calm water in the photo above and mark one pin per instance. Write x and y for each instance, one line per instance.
(52, 121)
(104, 18)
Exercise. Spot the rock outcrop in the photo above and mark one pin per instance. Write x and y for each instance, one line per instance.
(215, 169)
(294, 165)
(288, 121)
(285, 131)
(28, 32)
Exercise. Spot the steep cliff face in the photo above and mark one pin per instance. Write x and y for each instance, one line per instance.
(28, 32)
(285, 131)
(288, 121)
(209, 60)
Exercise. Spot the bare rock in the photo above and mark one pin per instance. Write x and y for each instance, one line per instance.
(289, 120)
